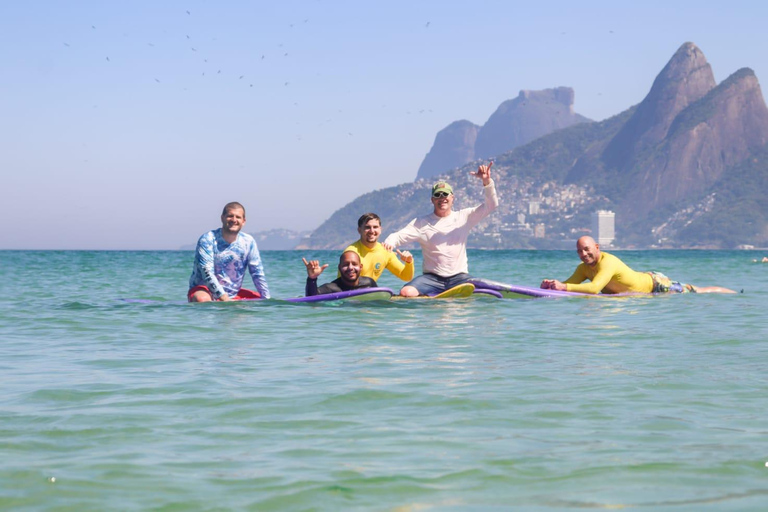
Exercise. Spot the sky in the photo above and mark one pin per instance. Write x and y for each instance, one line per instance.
(128, 125)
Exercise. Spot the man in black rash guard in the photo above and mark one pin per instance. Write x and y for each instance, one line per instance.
(349, 268)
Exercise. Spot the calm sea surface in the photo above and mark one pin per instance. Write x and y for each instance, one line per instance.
(472, 404)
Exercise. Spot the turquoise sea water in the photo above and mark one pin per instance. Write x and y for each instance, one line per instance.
(474, 404)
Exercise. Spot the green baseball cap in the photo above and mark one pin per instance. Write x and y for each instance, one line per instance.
(441, 186)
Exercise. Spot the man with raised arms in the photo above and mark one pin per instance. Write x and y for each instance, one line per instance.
(221, 259)
(608, 274)
(374, 257)
(350, 268)
(442, 236)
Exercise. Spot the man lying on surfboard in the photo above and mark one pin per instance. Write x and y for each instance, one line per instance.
(349, 268)
(442, 236)
(608, 274)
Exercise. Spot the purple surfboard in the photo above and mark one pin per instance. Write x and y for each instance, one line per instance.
(378, 293)
(511, 291)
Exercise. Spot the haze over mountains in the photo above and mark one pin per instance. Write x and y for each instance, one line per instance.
(687, 167)
(516, 122)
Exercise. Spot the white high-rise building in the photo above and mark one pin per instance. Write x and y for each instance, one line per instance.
(603, 227)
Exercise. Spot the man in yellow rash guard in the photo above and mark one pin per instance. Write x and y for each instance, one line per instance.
(374, 256)
(608, 274)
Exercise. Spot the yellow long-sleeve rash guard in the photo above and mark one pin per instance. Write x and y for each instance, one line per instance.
(609, 275)
(377, 259)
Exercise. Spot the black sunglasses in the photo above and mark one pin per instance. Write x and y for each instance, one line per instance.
(440, 195)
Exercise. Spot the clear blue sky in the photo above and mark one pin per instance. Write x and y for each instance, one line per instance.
(128, 125)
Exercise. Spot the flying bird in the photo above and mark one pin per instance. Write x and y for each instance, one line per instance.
(156, 80)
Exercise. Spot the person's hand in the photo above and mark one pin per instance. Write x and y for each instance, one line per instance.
(484, 173)
(225, 298)
(405, 256)
(553, 284)
(388, 247)
(313, 268)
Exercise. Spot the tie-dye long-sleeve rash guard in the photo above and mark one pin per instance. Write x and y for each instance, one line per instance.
(221, 266)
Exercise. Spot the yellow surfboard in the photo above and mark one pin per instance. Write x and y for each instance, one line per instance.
(457, 292)
(462, 290)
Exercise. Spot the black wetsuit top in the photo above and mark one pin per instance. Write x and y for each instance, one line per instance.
(337, 285)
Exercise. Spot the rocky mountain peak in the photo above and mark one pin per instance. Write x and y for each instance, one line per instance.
(712, 134)
(562, 95)
(686, 78)
(515, 122)
(527, 117)
(453, 147)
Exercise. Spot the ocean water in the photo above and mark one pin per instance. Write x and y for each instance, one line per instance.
(472, 404)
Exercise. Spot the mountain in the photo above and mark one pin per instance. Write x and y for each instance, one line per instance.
(454, 146)
(279, 239)
(686, 167)
(514, 123)
(525, 118)
(678, 144)
(685, 79)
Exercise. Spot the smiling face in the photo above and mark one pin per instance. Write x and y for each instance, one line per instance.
(588, 250)
(370, 232)
(350, 267)
(443, 203)
(232, 221)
